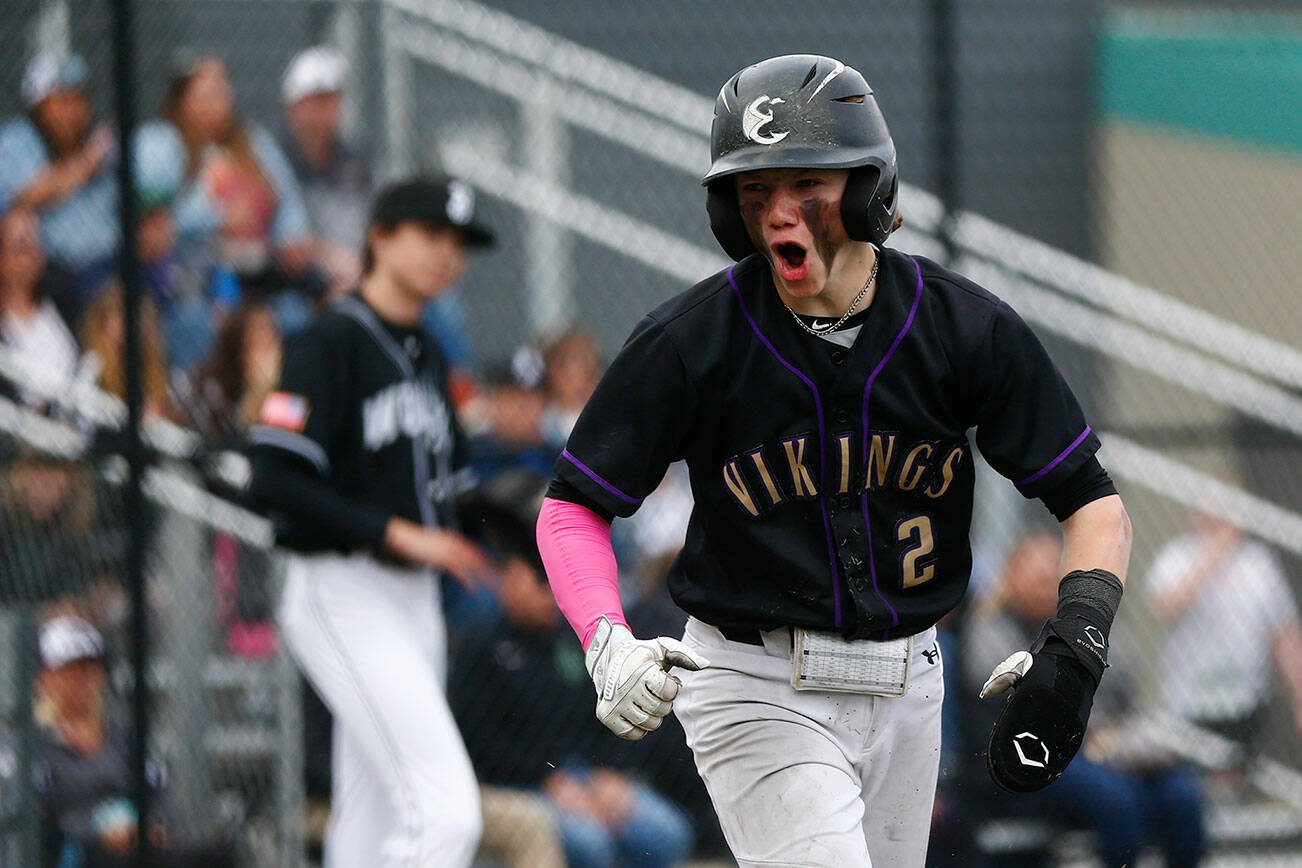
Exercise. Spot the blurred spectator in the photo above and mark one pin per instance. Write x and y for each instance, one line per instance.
(1214, 582)
(238, 195)
(953, 829)
(29, 320)
(573, 371)
(190, 294)
(513, 402)
(1125, 807)
(519, 829)
(82, 765)
(53, 162)
(652, 536)
(222, 401)
(666, 760)
(335, 177)
(338, 183)
(444, 319)
(521, 695)
(103, 336)
(227, 391)
(61, 537)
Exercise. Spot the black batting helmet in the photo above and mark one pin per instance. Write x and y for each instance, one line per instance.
(801, 111)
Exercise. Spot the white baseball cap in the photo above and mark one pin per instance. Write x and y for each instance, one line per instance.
(66, 639)
(317, 70)
(49, 73)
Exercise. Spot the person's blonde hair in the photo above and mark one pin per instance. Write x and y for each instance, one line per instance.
(95, 338)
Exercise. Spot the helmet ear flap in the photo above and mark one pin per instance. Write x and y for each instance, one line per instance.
(867, 210)
(725, 219)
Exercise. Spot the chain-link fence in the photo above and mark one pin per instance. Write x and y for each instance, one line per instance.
(1109, 172)
(226, 748)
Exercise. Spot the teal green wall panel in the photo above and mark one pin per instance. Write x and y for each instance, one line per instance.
(1231, 76)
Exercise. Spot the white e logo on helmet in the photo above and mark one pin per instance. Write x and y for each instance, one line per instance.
(461, 203)
(753, 120)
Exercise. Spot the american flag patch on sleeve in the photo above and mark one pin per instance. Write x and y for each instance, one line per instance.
(285, 410)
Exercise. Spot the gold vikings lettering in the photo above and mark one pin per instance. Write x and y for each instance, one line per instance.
(801, 482)
(767, 476)
(737, 485)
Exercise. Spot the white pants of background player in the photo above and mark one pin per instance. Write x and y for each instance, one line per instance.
(809, 778)
(371, 639)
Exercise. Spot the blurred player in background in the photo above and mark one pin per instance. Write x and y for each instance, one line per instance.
(821, 391)
(358, 458)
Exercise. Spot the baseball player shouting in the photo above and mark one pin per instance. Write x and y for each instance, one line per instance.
(821, 390)
(357, 456)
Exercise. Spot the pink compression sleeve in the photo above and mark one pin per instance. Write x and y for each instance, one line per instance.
(575, 545)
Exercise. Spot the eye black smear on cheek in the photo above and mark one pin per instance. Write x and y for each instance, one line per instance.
(751, 216)
(819, 217)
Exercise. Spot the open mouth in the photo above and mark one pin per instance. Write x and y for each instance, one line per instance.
(791, 260)
(792, 254)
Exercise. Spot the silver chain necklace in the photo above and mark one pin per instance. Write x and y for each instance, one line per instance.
(872, 275)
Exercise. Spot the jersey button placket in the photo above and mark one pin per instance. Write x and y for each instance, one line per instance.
(854, 570)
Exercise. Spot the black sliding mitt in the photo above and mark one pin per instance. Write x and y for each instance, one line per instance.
(1043, 721)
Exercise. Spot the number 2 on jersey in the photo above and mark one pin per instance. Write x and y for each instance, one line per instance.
(917, 532)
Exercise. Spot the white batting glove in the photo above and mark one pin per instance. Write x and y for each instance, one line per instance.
(1006, 674)
(634, 688)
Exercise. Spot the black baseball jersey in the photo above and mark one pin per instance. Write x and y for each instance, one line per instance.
(363, 404)
(833, 486)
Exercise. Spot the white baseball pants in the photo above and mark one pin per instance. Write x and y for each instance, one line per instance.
(809, 778)
(371, 639)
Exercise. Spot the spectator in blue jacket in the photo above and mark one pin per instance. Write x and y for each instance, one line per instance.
(55, 162)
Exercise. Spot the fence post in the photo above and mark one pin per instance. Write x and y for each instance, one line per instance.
(289, 773)
(944, 119)
(19, 823)
(138, 533)
(397, 95)
(547, 243)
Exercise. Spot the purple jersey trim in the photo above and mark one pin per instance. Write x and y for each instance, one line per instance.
(1055, 462)
(822, 450)
(592, 474)
(867, 391)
